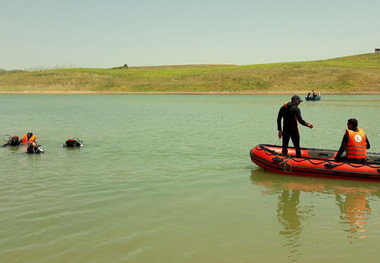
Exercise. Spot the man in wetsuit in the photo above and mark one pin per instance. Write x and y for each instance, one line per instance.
(291, 115)
(355, 143)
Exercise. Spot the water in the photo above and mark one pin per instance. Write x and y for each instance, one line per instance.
(168, 178)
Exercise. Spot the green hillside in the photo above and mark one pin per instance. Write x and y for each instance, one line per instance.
(360, 73)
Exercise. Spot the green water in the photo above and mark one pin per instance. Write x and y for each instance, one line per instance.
(168, 178)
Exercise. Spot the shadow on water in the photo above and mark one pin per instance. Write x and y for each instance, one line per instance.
(351, 199)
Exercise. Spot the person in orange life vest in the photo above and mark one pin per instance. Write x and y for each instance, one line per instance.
(314, 93)
(355, 143)
(28, 138)
(291, 115)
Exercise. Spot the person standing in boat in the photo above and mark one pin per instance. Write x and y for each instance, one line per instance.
(291, 115)
(355, 143)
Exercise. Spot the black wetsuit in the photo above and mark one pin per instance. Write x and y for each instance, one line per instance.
(12, 142)
(291, 114)
(34, 149)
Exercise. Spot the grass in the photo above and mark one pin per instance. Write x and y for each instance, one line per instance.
(354, 74)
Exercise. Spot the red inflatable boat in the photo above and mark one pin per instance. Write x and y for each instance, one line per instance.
(314, 162)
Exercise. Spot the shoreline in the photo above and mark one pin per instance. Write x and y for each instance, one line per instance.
(188, 93)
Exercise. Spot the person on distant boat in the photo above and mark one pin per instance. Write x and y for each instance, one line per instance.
(13, 141)
(291, 115)
(314, 93)
(355, 143)
(28, 138)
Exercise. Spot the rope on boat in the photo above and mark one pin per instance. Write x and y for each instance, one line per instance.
(284, 161)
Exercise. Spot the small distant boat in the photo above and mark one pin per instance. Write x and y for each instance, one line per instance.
(314, 162)
(310, 97)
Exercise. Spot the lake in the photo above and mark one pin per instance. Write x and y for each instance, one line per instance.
(168, 178)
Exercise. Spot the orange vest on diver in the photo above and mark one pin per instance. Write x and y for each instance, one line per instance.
(25, 139)
(356, 145)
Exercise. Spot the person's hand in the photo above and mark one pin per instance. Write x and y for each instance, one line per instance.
(310, 125)
(279, 134)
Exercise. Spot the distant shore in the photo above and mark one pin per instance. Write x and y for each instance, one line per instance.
(358, 74)
(301, 93)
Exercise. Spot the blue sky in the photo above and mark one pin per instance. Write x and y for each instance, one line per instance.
(103, 34)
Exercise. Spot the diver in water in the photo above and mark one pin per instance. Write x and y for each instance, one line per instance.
(72, 143)
(34, 148)
(28, 138)
(13, 141)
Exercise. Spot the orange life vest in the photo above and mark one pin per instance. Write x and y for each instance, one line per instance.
(356, 145)
(25, 139)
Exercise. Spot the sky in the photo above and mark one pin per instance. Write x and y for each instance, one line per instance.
(43, 34)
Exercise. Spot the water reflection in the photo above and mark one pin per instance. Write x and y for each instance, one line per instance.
(354, 208)
(351, 199)
(289, 215)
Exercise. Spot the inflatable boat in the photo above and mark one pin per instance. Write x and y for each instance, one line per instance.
(314, 162)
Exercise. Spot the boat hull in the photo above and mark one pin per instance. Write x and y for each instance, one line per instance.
(318, 97)
(314, 162)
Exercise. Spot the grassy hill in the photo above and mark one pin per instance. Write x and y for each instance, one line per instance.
(352, 74)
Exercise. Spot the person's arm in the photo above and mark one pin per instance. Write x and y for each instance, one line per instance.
(368, 145)
(279, 118)
(343, 146)
(299, 118)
